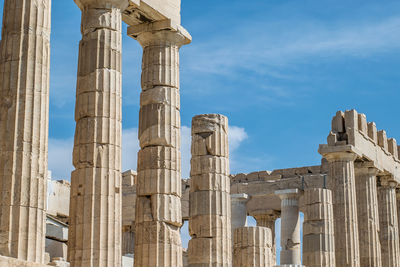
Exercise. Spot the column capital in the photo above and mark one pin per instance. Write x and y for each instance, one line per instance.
(239, 197)
(265, 214)
(106, 4)
(387, 181)
(340, 156)
(163, 31)
(366, 167)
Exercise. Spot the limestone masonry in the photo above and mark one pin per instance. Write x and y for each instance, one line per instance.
(107, 217)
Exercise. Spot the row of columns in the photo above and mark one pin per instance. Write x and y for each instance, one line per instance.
(95, 209)
(365, 213)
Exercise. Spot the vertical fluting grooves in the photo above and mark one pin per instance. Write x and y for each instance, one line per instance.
(389, 233)
(210, 200)
(24, 76)
(158, 208)
(342, 179)
(368, 217)
(95, 210)
(318, 228)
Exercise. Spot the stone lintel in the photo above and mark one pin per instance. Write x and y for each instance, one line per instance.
(270, 213)
(338, 152)
(166, 24)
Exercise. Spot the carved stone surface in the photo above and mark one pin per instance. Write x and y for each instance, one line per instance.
(318, 228)
(389, 231)
(368, 215)
(210, 200)
(95, 210)
(159, 186)
(24, 119)
(252, 247)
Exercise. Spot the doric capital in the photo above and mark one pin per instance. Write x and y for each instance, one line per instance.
(239, 198)
(365, 168)
(387, 181)
(340, 156)
(265, 214)
(107, 4)
(289, 197)
(160, 32)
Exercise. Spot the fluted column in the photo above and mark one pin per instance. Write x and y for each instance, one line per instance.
(318, 229)
(267, 218)
(342, 184)
(290, 226)
(95, 209)
(158, 203)
(24, 119)
(210, 200)
(389, 232)
(252, 247)
(368, 215)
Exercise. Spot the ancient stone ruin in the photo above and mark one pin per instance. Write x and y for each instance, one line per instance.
(106, 217)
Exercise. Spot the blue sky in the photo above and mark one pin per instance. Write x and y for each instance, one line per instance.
(278, 69)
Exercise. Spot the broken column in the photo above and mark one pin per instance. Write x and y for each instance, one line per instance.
(239, 210)
(389, 232)
(95, 210)
(252, 247)
(210, 201)
(290, 227)
(158, 203)
(24, 121)
(318, 228)
(342, 184)
(368, 215)
(267, 218)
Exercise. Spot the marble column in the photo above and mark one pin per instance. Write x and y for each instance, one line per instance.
(342, 183)
(158, 204)
(290, 226)
(267, 218)
(389, 232)
(368, 215)
(210, 200)
(239, 210)
(95, 209)
(318, 229)
(24, 120)
(252, 247)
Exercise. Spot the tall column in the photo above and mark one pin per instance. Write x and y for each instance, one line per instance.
(290, 227)
(252, 247)
(158, 203)
(318, 229)
(342, 184)
(95, 209)
(368, 215)
(267, 218)
(24, 120)
(210, 201)
(239, 210)
(389, 232)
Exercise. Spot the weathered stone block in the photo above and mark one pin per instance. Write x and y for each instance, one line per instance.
(215, 144)
(209, 251)
(159, 157)
(210, 203)
(203, 226)
(159, 181)
(211, 182)
(157, 208)
(209, 164)
(161, 95)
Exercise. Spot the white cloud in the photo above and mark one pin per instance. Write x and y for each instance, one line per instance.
(236, 136)
(60, 158)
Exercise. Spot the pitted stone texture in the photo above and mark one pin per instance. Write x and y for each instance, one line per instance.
(159, 186)
(318, 228)
(210, 200)
(157, 244)
(24, 119)
(368, 215)
(253, 247)
(159, 181)
(210, 252)
(12, 262)
(342, 184)
(95, 210)
(389, 231)
(157, 208)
